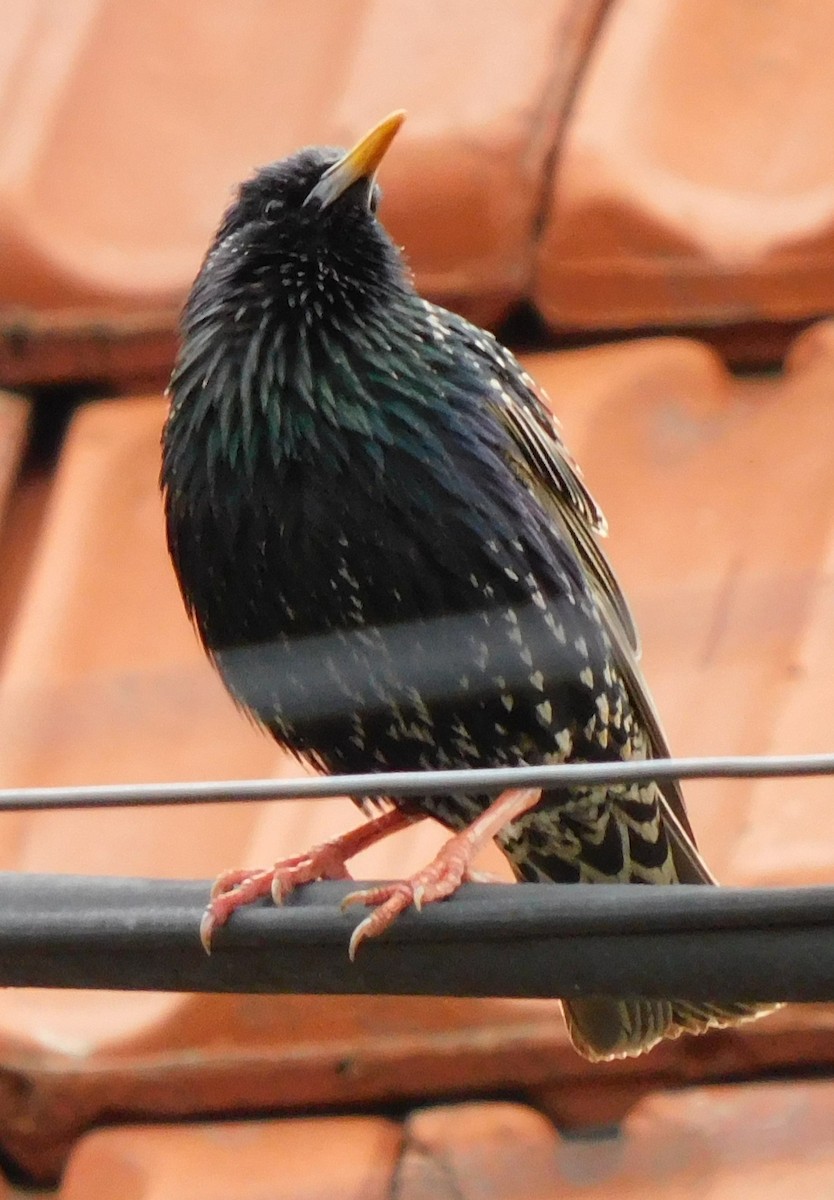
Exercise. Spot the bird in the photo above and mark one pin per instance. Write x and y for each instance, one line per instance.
(393, 561)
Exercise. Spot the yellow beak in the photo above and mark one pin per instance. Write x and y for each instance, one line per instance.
(359, 163)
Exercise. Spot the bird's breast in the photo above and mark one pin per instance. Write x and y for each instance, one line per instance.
(372, 618)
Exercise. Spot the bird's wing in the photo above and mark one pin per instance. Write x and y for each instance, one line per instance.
(523, 409)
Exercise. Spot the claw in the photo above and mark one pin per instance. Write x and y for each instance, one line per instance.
(207, 929)
(388, 900)
(358, 937)
(484, 877)
(360, 896)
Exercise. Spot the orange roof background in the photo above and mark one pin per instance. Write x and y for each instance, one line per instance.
(640, 195)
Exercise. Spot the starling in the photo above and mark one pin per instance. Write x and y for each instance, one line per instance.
(392, 561)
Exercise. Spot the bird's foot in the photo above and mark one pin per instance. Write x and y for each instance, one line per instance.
(443, 875)
(439, 880)
(233, 889)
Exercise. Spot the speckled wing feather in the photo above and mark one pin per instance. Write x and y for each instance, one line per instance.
(600, 1027)
(534, 429)
(523, 408)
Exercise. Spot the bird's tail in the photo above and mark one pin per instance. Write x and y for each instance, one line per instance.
(602, 1028)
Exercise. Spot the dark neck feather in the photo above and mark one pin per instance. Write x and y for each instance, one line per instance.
(261, 378)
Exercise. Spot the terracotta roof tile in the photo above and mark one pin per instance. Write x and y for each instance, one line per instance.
(102, 106)
(693, 179)
(735, 1141)
(14, 421)
(472, 1151)
(680, 190)
(340, 1158)
(14, 425)
(729, 1143)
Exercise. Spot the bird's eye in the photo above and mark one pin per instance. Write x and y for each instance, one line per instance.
(272, 207)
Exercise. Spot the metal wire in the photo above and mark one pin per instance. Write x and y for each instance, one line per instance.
(542, 940)
(414, 783)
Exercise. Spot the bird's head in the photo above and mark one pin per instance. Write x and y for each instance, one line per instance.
(302, 234)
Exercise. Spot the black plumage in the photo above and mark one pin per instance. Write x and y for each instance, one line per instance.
(389, 554)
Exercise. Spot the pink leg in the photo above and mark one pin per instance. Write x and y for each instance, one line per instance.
(233, 889)
(444, 875)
